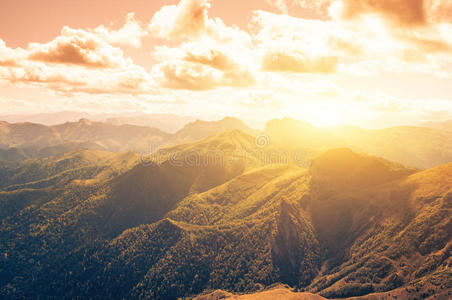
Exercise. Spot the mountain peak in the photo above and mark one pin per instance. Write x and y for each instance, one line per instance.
(231, 120)
(85, 121)
(288, 122)
(200, 129)
(342, 166)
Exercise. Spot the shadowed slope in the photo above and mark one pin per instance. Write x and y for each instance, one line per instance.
(239, 236)
(379, 232)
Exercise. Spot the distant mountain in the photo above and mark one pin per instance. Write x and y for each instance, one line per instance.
(165, 122)
(28, 140)
(37, 140)
(445, 125)
(200, 129)
(418, 147)
(412, 146)
(114, 138)
(50, 118)
(210, 215)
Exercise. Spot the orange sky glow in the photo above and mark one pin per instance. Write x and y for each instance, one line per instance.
(330, 62)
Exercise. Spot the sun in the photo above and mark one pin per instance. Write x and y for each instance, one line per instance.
(321, 116)
(326, 118)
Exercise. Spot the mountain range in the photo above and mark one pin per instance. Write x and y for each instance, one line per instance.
(419, 147)
(90, 223)
(441, 125)
(166, 122)
(19, 141)
(220, 215)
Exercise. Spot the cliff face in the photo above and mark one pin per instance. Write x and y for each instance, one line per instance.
(295, 249)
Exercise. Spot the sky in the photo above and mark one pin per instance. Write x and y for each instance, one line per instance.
(330, 62)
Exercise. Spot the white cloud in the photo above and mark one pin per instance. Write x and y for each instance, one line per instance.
(186, 19)
(77, 47)
(130, 34)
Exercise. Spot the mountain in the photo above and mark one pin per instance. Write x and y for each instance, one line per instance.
(48, 118)
(418, 147)
(445, 125)
(380, 232)
(12, 155)
(114, 138)
(165, 122)
(200, 129)
(278, 292)
(26, 135)
(20, 141)
(34, 182)
(78, 214)
(36, 140)
(181, 223)
(412, 146)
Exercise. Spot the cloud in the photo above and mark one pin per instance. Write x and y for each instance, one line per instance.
(210, 54)
(189, 20)
(130, 79)
(347, 45)
(186, 76)
(404, 12)
(298, 62)
(203, 64)
(288, 44)
(129, 35)
(431, 45)
(213, 58)
(280, 4)
(285, 6)
(10, 57)
(260, 99)
(380, 102)
(77, 47)
(440, 11)
(75, 62)
(195, 76)
(407, 13)
(200, 53)
(186, 19)
(366, 45)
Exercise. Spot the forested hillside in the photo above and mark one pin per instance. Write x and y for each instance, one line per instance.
(94, 223)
